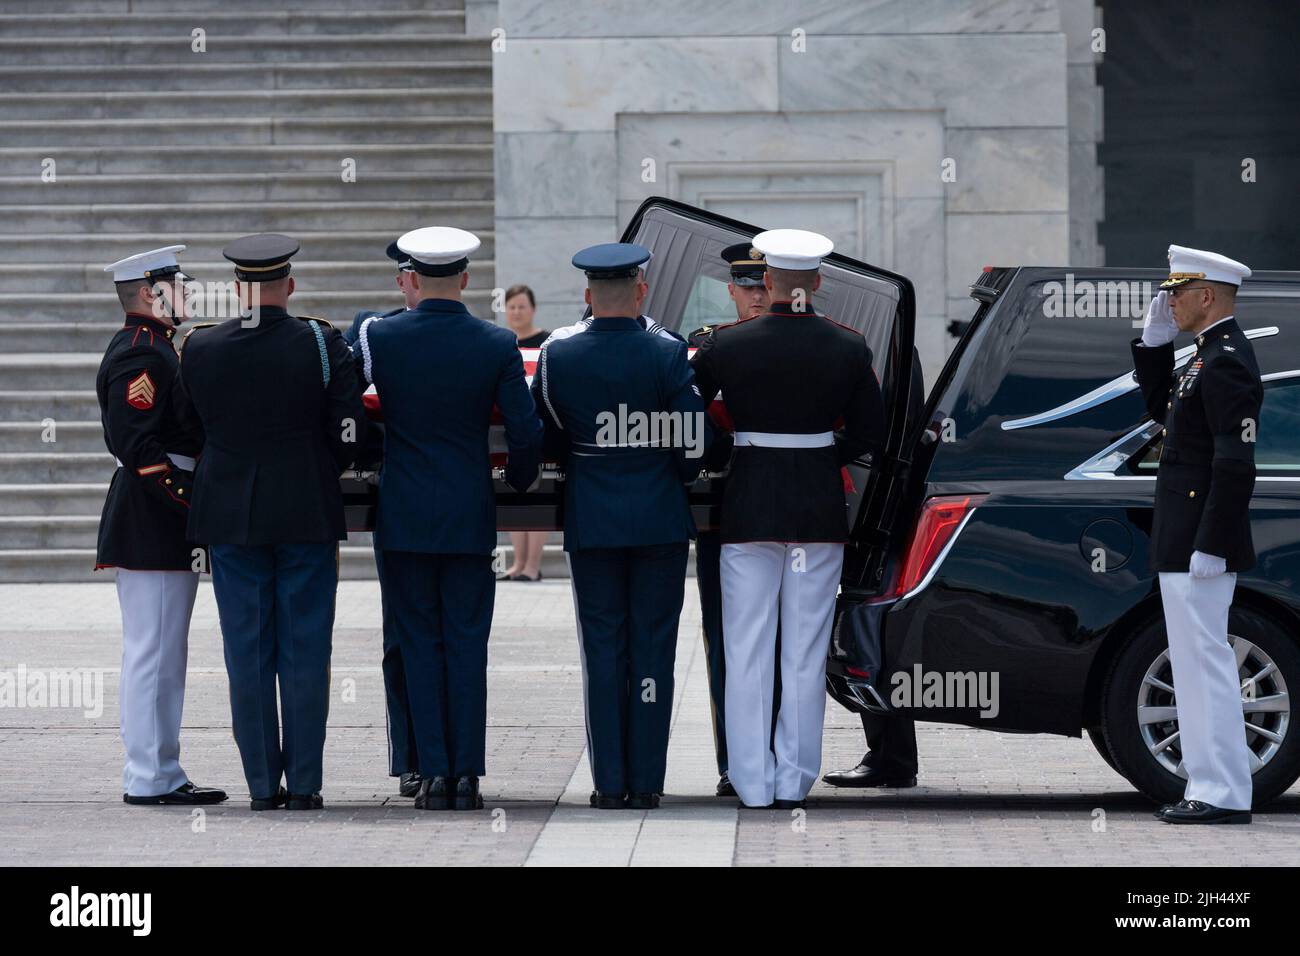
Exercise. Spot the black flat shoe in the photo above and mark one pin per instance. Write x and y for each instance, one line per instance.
(467, 796)
(186, 795)
(304, 801)
(1160, 814)
(725, 789)
(607, 801)
(862, 776)
(269, 803)
(433, 794)
(642, 801)
(789, 804)
(408, 784)
(1194, 811)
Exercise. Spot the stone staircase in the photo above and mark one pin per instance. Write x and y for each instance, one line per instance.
(153, 143)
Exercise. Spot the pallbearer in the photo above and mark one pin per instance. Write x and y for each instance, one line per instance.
(439, 371)
(280, 402)
(142, 530)
(1200, 537)
(627, 517)
(788, 376)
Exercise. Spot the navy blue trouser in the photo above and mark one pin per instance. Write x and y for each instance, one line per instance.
(276, 604)
(708, 578)
(441, 611)
(629, 601)
(402, 756)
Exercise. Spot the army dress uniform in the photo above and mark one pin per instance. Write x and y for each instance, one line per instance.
(402, 757)
(142, 536)
(280, 403)
(1203, 488)
(627, 525)
(439, 370)
(788, 376)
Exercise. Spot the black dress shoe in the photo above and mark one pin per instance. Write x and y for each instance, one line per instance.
(607, 801)
(186, 795)
(269, 803)
(408, 784)
(863, 776)
(642, 801)
(1194, 811)
(789, 804)
(467, 796)
(434, 794)
(1160, 814)
(304, 801)
(725, 789)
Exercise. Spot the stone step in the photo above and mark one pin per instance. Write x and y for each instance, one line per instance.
(144, 46)
(223, 23)
(49, 371)
(386, 159)
(337, 307)
(141, 7)
(217, 77)
(288, 217)
(97, 249)
(36, 468)
(53, 499)
(341, 103)
(198, 133)
(77, 437)
(62, 531)
(78, 405)
(60, 278)
(246, 188)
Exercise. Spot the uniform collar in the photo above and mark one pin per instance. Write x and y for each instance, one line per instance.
(159, 325)
(441, 305)
(616, 323)
(1204, 335)
(786, 307)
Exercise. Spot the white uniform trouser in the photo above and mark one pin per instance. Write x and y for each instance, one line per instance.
(1207, 687)
(760, 581)
(156, 607)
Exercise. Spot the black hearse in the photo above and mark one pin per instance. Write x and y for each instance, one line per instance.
(1004, 531)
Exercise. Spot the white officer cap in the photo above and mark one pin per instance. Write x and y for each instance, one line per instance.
(794, 249)
(439, 250)
(146, 265)
(1187, 264)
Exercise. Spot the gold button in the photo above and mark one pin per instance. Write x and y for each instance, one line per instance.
(1225, 335)
(1191, 494)
(181, 491)
(169, 481)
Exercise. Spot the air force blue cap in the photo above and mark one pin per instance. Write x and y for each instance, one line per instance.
(612, 260)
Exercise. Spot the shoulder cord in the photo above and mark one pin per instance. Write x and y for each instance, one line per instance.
(324, 355)
(362, 337)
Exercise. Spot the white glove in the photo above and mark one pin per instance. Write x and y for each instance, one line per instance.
(1206, 565)
(1159, 328)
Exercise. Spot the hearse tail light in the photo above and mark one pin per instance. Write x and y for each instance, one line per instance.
(939, 520)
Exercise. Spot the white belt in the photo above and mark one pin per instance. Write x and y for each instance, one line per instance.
(183, 462)
(783, 440)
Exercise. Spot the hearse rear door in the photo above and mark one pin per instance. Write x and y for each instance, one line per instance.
(688, 290)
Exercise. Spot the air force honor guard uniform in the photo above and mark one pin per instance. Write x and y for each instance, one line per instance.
(439, 370)
(788, 377)
(142, 529)
(1200, 536)
(280, 403)
(627, 517)
(402, 757)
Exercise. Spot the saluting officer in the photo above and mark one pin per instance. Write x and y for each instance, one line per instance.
(280, 402)
(1200, 536)
(439, 370)
(788, 376)
(142, 529)
(627, 517)
(402, 757)
(749, 295)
